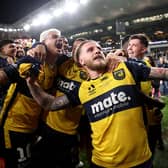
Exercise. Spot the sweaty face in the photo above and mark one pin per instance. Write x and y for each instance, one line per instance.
(92, 57)
(136, 49)
(9, 50)
(20, 50)
(51, 43)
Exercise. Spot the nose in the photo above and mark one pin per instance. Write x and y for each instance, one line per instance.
(98, 51)
(129, 47)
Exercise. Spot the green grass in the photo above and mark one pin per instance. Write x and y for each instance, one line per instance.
(161, 157)
(165, 113)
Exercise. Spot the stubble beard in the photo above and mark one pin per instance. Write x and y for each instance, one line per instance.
(98, 67)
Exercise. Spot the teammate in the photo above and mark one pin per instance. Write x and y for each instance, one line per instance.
(20, 114)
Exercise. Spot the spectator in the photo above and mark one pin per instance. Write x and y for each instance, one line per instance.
(20, 50)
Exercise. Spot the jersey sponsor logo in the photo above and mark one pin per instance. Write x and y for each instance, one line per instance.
(91, 89)
(113, 101)
(66, 85)
(119, 74)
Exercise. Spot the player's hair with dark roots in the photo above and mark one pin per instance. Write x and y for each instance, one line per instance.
(78, 49)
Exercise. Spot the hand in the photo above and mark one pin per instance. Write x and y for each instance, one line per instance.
(39, 52)
(28, 66)
(31, 80)
(120, 52)
(29, 69)
(112, 62)
(23, 67)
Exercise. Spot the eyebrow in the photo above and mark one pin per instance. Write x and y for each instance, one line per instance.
(100, 48)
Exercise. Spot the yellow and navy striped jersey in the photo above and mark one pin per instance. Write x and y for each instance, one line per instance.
(115, 113)
(146, 86)
(68, 80)
(22, 111)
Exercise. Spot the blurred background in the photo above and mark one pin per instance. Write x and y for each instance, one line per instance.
(106, 21)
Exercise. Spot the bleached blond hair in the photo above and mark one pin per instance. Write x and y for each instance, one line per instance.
(45, 33)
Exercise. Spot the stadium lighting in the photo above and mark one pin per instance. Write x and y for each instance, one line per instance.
(26, 27)
(71, 7)
(35, 22)
(10, 30)
(83, 2)
(41, 19)
(58, 12)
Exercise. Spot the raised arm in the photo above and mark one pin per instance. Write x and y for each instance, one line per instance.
(48, 102)
(158, 73)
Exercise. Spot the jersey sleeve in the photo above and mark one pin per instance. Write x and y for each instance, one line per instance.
(70, 88)
(73, 97)
(139, 70)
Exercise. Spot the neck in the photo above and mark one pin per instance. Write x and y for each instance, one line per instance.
(95, 74)
(51, 59)
(139, 57)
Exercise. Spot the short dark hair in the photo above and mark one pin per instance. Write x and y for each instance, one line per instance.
(80, 39)
(142, 37)
(125, 39)
(5, 42)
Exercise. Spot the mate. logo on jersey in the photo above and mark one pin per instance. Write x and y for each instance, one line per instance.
(119, 74)
(114, 101)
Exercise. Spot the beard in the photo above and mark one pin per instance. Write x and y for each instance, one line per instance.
(100, 66)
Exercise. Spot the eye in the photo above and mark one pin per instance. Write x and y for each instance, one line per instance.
(90, 49)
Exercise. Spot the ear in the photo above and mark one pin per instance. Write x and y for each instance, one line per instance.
(144, 49)
(81, 62)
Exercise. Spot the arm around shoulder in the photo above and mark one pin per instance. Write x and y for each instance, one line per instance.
(158, 73)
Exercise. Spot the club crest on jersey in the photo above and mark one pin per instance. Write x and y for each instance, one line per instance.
(83, 75)
(119, 74)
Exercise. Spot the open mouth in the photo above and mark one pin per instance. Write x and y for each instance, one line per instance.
(98, 57)
(58, 45)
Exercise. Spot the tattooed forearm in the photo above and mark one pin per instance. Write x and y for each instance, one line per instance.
(59, 103)
(45, 100)
(159, 73)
